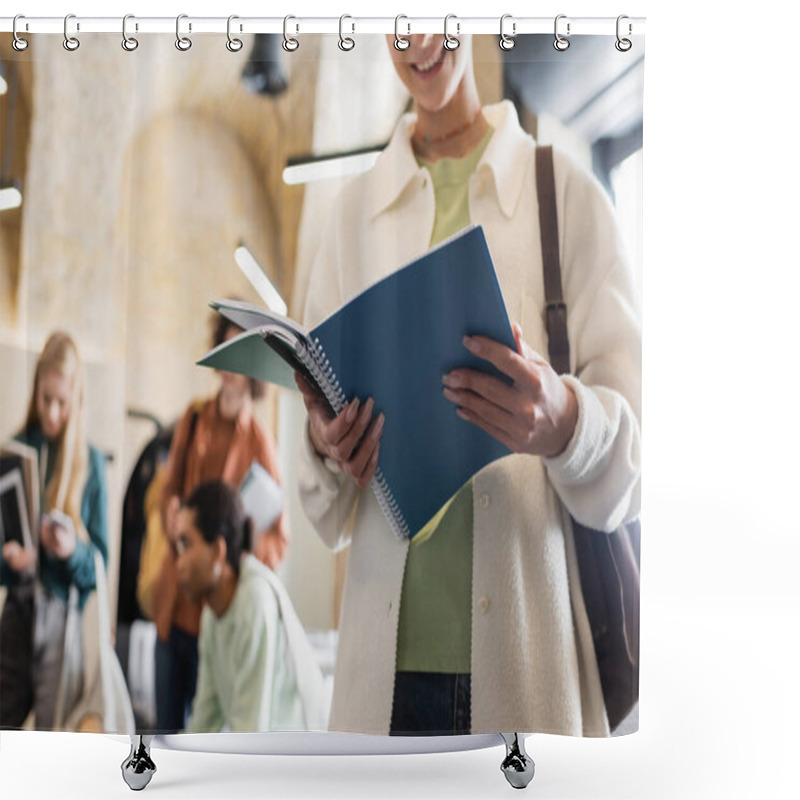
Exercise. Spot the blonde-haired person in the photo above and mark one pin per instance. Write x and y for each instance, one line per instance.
(73, 529)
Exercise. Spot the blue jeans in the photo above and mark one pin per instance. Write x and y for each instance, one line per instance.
(431, 704)
(176, 680)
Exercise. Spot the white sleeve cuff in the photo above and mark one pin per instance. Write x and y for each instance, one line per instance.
(570, 466)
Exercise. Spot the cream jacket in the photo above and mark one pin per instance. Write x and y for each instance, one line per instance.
(533, 663)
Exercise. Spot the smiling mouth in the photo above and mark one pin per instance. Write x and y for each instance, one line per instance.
(427, 66)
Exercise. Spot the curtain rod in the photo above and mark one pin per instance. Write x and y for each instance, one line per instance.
(189, 25)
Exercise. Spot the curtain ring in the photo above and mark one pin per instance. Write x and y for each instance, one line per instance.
(183, 43)
(451, 42)
(234, 45)
(346, 43)
(507, 42)
(561, 44)
(71, 43)
(129, 43)
(400, 42)
(19, 44)
(623, 45)
(290, 44)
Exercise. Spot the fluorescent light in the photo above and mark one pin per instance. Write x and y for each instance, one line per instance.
(3, 84)
(261, 283)
(10, 197)
(320, 169)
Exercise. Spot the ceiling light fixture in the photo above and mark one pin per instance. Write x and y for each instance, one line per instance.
(10, 195)
(259, 280)
(264, 72)
(10, 190)
(338, 165)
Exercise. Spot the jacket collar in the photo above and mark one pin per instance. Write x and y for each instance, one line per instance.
(506, 159)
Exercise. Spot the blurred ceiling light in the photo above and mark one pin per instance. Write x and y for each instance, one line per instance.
(260, 282)
(3, 84)
(10, 196)
(316, 168)
(10, 191)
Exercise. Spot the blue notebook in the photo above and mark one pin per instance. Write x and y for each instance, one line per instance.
(394, 342)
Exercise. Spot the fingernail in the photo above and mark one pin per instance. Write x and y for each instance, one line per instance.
(462, 414)
(452, 396)
(376, 432)
(471, 344)
(352, 411)
(452, 380)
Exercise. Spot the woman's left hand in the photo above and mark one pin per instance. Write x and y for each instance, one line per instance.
(537, 414)
(58, 540)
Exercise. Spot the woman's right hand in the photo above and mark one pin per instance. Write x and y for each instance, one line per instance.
(19, 558)
(351, 439)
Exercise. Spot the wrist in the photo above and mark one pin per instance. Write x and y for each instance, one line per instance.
(315, 443)
(568, 421)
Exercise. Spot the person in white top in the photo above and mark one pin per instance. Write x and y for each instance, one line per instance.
(575, 440)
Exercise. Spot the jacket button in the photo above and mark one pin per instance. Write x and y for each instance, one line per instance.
(484, 500)
(483, 604)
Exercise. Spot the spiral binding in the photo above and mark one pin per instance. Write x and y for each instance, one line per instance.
(389, 506)
(319, 365)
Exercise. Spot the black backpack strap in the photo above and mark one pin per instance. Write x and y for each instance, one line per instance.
(556, 310)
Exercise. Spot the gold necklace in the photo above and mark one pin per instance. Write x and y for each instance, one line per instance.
(462, 128)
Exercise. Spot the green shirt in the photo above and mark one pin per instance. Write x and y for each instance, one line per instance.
(435, 625)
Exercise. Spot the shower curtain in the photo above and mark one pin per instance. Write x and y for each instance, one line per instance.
(293, 173)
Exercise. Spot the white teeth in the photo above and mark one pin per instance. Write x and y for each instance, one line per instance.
(428, 65)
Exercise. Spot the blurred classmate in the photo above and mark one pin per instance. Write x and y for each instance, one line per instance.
(73, 528)
(216, 439)
(257, 669)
